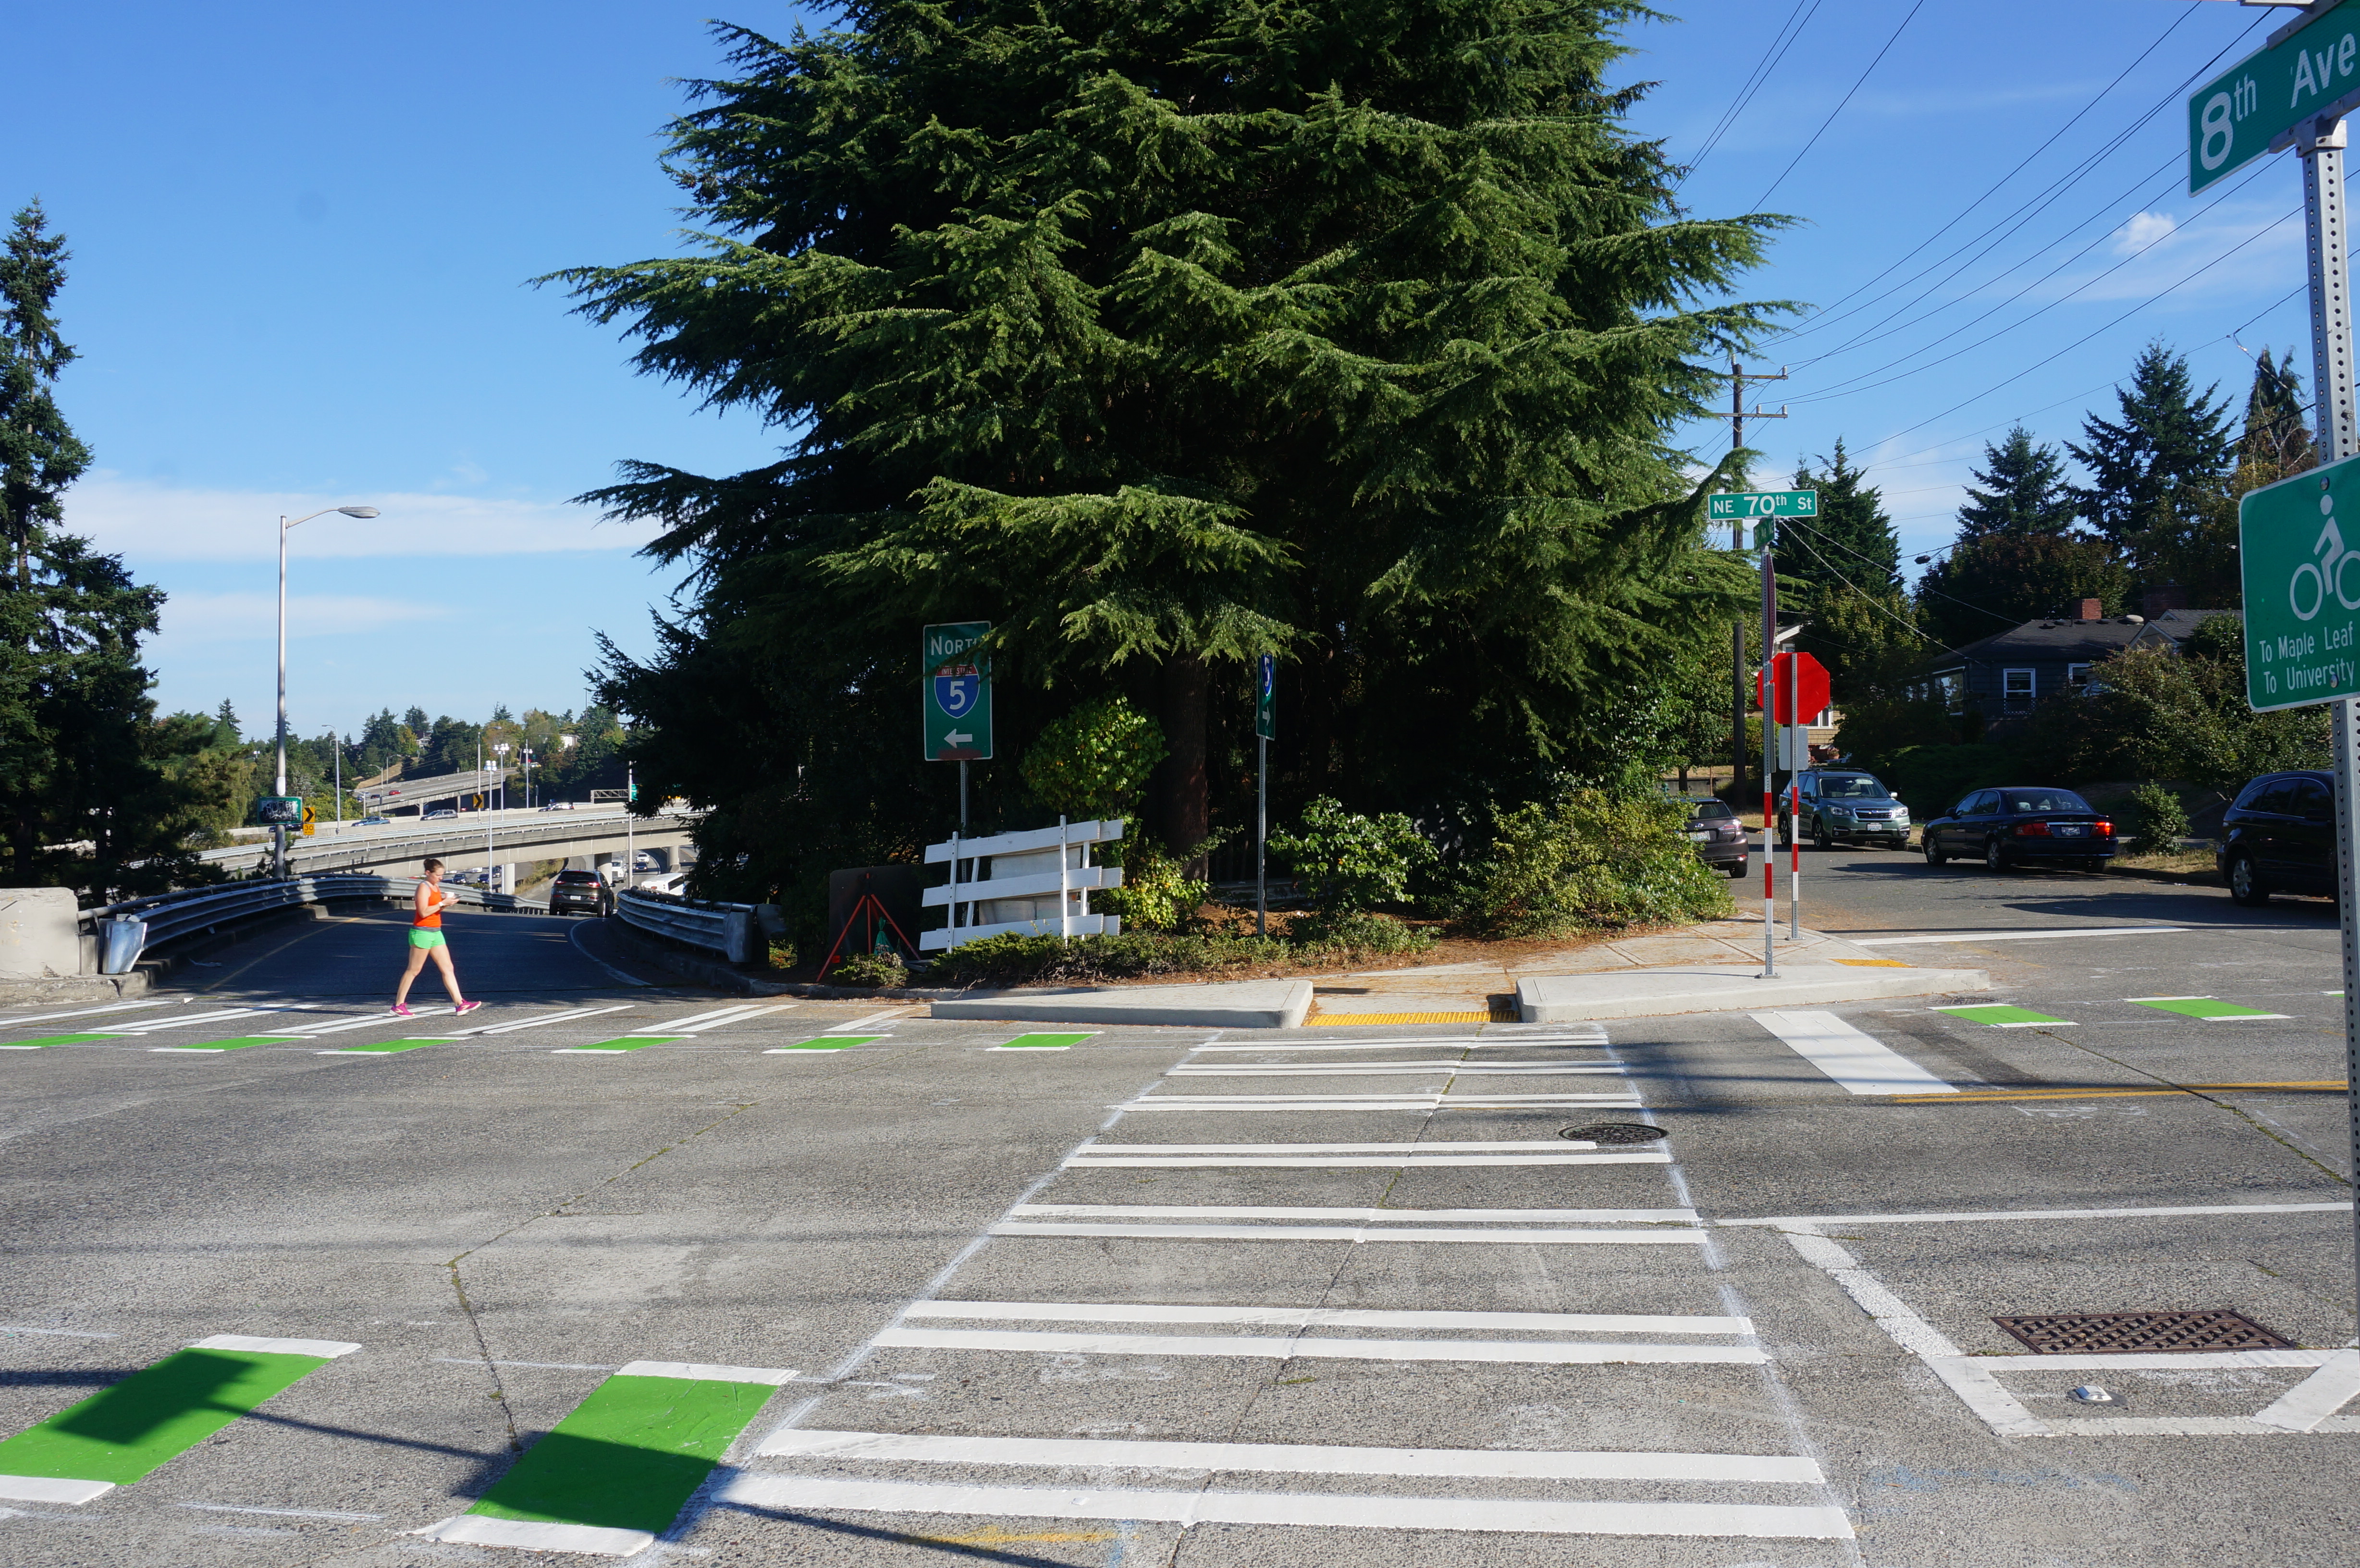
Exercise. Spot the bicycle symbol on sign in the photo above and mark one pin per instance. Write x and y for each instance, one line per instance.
(2328, 572)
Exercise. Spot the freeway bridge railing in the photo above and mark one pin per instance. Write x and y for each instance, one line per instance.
(126, 930)
(733, 931)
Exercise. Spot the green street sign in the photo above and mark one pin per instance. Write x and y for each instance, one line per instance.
(278, 810)
(2302, 588)
(2254, 106)
(1729, 506)
(956, 683)
(1266, 697)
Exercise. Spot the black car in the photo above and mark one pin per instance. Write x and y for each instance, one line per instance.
(1719, 836)
(2278, 836)
(2022, 822)
(583, 890)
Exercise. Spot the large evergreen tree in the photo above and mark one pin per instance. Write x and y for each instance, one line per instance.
(1849, 544)
(1162, 336)
(2276, 441)
(2152, 474)
(39, 455)
(2020, 491)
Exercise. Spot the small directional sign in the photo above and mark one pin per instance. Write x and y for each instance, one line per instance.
(956, 682)
(1266, 697)
(280, 811)
(2302, 582)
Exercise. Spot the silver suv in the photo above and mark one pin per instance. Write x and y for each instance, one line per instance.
(1843, 805)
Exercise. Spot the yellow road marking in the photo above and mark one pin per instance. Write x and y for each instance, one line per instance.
(1346, 1020)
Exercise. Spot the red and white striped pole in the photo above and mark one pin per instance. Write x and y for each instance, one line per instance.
(1801, 750)
(1769, 734)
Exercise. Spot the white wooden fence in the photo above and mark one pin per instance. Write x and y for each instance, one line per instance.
(1031, 884)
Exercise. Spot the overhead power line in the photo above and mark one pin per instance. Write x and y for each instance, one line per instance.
(1838, 109)
(1780, 42)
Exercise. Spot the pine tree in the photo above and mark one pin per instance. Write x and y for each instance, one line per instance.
(1849, 544)
(2152, 473)
(2019, 492)
(2276, 441)
(1162, 337)
(39, 455)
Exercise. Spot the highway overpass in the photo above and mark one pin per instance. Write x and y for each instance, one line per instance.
(461, 842)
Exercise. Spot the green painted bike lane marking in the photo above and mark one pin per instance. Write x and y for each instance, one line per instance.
(379, 1048)
(158, 1413)
(2210, 1008)
(212, 1047)
(2000, 1015)
(617, 1471)
(827, 1042)
(627, 1043)
(48, 1040)
(1045, 1041)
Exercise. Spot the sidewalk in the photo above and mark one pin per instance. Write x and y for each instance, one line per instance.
(1713, 967)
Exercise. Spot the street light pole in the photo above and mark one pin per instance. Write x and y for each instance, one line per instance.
(278, 833)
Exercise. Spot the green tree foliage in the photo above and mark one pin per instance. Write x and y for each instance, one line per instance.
(1592, 860)
(2151, 472)
(1995, 584)
(1163, 337)
(2020, 491)
(2276, 441)
(39, 454)
(1094, 763)
(1347, 864)
(1849, 545)
(2162, 819)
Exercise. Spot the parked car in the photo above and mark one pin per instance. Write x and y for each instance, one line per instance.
(583, 890)
(376, 822)
(1844, 805)
(2022, 822)
(1718, 837)
(2278, 836)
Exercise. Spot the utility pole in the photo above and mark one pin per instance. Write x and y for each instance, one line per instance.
(1737, 416)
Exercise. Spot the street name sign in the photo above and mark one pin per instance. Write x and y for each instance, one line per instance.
(2301, 579)
(2313, 72)
(1266, 697)
(1728, 505)
(278, 810)
(956, 682)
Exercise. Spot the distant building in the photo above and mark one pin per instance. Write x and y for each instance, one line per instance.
(2002, 677)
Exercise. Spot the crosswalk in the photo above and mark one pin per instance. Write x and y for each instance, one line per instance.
(1131, 1320)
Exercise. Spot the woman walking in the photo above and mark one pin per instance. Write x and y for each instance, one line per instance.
(426, 941)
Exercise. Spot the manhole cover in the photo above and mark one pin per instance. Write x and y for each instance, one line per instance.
(2102, 1334)
(1615, 1132)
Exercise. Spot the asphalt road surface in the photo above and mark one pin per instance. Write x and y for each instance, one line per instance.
(617, 1268)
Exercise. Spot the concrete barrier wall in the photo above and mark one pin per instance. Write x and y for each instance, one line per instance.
(39, 938)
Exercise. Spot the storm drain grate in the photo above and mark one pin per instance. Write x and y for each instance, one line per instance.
(2104, 1333)
(1615, 1132)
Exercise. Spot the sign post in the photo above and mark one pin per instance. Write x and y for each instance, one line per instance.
(1762, 506)
(2302, 606)
(1265, 731)
(956, 685)
(1796, 688)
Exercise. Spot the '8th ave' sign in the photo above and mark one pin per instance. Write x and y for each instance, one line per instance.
(2256, 106)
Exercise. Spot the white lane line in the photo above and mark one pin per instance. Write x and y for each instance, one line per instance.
(699, 1372)
(1756, 1520)
(56, 1333)
(872, 1019)
(1356, 1234)
(1330, 1317)
(338, 1026)
(1287, 1347)
(1411, 1044)
(1388, 1216)
(82, 1012)
(1862, 1064)
(1429, 1146)
(326, 1349)
(1468, 1102)
(2206, 1361)
(1959, 1219)
(589, 1540)
(1356, 1162)
(1300, 1459)
(158, 1026)
(2011, 936)
(51, 1490)
(700, 1022)
(1383, 1069)
(570, 1016)
(2317, 1397)
(277, 1513)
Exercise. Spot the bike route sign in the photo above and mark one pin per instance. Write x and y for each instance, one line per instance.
(956, 683)
(2301, 579)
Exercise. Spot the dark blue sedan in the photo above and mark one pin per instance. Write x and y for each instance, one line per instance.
(2021, 824)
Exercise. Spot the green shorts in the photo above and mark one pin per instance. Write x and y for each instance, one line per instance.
(421, 937)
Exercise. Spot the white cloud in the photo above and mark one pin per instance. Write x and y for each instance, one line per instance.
(2144, 229)
(189, 619)
(147, 521)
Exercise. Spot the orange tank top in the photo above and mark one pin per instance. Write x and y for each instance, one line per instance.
(428, 922)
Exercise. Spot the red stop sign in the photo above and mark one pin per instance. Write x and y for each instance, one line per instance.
(1787, 670)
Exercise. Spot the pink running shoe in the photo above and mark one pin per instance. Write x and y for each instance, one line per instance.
(401, 1009)
(466, 1007)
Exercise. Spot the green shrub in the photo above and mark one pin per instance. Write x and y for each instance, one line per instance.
(882, 970)
(1157, 893)
(1093, 763)
(1346, 863)
(2162, 819)
(1132, 955)
(1591, 861)
(1361, 932)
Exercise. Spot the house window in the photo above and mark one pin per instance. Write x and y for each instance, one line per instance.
(2076, 677)
(2016, 692)
(1952, 686)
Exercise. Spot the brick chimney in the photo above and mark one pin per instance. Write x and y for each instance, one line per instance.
(2091, 610)
(2163, 596)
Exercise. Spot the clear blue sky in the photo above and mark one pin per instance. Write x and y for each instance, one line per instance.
(301, 238)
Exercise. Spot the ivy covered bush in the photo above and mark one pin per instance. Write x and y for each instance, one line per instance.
(1590, 861)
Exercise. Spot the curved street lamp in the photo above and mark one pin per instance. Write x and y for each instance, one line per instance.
(278, 834)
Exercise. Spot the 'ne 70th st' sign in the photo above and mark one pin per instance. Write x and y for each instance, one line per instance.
(2254, 106)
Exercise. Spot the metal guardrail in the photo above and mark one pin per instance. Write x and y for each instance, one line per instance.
(733, 931)
(461, 840)
(171, 916)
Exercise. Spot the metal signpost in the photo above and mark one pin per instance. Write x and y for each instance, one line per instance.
(1762, 506)
(2302, 604)
(1796, 688)
(1265, 731)
(956, 684)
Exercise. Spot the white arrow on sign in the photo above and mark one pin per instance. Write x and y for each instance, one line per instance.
(956, 738)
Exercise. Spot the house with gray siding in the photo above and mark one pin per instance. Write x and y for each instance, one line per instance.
(2002, 677)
